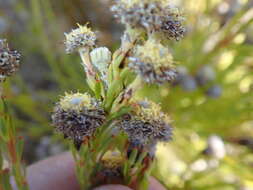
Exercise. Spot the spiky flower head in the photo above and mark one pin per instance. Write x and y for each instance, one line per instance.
(153, 62)
(82, 37)
(77, 116)
(147, 124)
(101, 58)
(9, 60)
(150, 15)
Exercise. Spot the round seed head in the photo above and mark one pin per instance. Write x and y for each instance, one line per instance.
(147, 124)
(82, 37)
(153, 62)
(9, 60)
(77, 116)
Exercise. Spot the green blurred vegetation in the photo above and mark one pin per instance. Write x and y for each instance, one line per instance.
(219, 33)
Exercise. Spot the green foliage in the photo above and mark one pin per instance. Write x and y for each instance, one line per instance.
(11, 147)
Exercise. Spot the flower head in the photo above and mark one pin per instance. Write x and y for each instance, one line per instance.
(147, 124)
(153, 62)
(82, 37)
(138, 14)
(150, 15)
(77, 116)
(9, 60)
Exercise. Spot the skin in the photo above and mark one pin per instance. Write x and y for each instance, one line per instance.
(58, 172)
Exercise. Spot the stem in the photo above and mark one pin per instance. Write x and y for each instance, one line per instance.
(86, 62)
(1, 90)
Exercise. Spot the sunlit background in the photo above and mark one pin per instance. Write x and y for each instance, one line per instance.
(211, 102)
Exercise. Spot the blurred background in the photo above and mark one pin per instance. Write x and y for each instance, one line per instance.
(211, 102)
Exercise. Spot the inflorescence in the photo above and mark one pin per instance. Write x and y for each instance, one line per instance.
(147, 124)
(114, 79)
(82, 37)
(154, 16)
(77, 116)
(153, 62)
(9, 60)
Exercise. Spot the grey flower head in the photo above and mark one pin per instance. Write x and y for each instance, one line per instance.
(153, 62)
(149, 74)
(77, 116)
(153, 16)
(9, 61)
(82, 37)
(147, 125)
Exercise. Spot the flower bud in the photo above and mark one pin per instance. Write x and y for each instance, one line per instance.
(101, 58)
(111, 169)
(112, 160)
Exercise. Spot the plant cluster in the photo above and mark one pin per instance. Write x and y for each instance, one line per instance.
(113, 119)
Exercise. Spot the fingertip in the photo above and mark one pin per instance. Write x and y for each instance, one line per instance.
(112, 187)
(57, 172)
